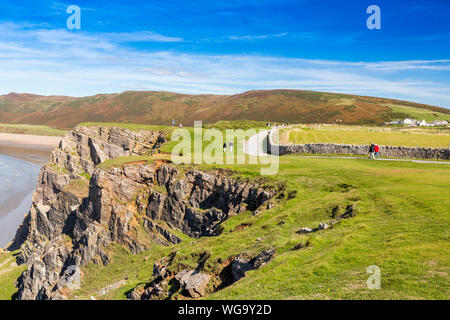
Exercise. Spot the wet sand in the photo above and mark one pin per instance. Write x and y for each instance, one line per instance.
(23, 154)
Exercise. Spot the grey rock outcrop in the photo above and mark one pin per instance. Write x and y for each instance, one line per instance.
(244, 263)
(199, 202)
(170, 277)
(193, 282)
(73, 220)
(85, 147)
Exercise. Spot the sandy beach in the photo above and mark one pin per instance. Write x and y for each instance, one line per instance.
(21, 157)
(35, 149)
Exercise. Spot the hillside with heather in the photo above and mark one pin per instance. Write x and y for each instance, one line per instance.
(159, 108)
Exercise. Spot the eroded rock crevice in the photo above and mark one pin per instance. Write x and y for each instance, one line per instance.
(172, 279)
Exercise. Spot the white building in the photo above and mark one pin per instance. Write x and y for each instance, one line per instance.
(439, 123)
(409, 121)
(423, 123)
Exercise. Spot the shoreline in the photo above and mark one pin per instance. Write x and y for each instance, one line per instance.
(34, 150)
(16, 188)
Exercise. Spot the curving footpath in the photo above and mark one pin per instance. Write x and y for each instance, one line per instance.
(256, 145)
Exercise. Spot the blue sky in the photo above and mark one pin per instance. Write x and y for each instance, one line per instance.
(227, 47)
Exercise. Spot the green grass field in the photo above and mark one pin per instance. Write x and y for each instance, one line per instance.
(401, 226)
(364, 136)
(31, 129)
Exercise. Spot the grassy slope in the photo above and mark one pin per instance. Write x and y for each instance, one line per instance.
(157, 108)
(8, 275)
(400, 226)
(362, 136)
(419, 114)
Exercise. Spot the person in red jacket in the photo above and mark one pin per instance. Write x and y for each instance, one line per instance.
(377, 151)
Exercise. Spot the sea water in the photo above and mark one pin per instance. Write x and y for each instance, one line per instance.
(17, 183)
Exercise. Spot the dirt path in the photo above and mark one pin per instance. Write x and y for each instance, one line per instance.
(380, 159)
(12, 265)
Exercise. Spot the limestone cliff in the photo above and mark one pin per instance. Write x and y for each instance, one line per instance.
(79, 208)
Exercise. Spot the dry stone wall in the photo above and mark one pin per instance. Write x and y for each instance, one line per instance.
(334, 148)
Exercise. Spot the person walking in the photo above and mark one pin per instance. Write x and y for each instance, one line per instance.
(372, 151)
(173, 122)
(224, 147)
(181, 126)
(377, 151)
(231, 146)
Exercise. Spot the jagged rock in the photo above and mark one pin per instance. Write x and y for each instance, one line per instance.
(336, 211)
(135, 295)
(198, 203)
(304, 230)
(55, 210)
(350, 212)
(244, 263)
(193, 282)
(263, 258)
(240, 266)
(156, 291)
(64, 230)
(153, 227)
(43, 273)
(83, 148)
(323, 226)
(298, 246)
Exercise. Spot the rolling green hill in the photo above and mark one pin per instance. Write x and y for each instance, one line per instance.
(159, 108)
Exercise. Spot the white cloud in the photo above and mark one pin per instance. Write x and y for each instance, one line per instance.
(62, 62)
(258, 37)
(140, 36)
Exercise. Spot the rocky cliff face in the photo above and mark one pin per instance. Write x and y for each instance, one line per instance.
(80, 209)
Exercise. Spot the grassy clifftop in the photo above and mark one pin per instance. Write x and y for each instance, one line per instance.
(159, 108)
(400, 226)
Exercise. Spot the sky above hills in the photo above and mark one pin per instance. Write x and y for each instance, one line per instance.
(227, 47)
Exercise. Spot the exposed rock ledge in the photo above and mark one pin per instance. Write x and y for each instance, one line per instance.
(72, 221)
